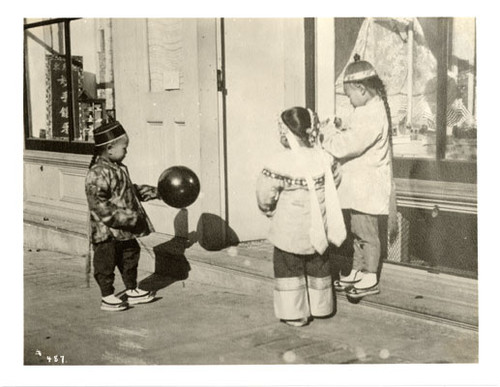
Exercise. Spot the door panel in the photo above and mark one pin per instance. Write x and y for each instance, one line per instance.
(264, 72)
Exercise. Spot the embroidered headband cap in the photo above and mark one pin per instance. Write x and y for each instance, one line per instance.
(359, 70)
(108, 133)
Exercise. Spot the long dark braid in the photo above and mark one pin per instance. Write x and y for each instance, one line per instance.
(376, 84)
(392, 221)
(94, 157)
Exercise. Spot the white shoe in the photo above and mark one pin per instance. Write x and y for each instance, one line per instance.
(112, 303)
(139, 296)
(353, 277)
(368, 280)
(368, 286)
(297, 323)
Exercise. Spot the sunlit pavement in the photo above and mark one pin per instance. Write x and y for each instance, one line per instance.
(195, 323)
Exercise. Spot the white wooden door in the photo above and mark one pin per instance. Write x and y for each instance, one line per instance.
(264, 74)
(166, 98)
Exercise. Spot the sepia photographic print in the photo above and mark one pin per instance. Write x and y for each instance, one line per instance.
(233, 190)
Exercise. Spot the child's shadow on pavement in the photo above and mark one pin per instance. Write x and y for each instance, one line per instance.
(212, 234)
(171, 264)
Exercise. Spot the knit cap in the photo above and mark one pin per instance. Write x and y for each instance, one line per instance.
(108, 133)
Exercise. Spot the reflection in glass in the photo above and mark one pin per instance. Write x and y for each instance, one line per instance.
(399, 51)
(461, 127)
(46, 81)
(403, 51)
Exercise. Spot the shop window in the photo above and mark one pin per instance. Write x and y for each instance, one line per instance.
(428, 67)
(62, 107)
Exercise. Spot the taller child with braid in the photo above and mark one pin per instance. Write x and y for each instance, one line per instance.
(364, 151)
(116, 218)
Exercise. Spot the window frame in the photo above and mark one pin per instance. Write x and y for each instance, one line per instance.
(438, 168)
(50, 145)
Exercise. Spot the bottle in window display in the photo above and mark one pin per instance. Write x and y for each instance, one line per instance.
(98, 115)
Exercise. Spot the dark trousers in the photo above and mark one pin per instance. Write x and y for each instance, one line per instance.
(364, 228)
(111, 254)
(302, 285)
(348, 256)
(294, 265)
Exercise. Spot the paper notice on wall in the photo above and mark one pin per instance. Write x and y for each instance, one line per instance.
(171, 80)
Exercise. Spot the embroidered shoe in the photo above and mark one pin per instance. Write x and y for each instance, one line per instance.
(347, 282)
(356, 292)
(112, 303)
(366, 287)
(138, 296)
(353, 277)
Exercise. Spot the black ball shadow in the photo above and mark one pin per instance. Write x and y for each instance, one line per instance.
(214, 234)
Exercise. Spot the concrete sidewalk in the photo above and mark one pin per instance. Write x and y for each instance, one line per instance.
(248, 267)
(199, 321)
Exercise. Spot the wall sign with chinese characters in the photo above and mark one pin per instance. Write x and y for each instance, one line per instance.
(57, 94)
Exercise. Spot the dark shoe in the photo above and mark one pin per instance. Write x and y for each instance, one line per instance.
(363, 292)
(341, 287)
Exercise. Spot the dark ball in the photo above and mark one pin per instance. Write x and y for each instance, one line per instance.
(178, 186)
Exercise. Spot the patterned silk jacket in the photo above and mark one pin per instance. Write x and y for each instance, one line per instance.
(114, 203)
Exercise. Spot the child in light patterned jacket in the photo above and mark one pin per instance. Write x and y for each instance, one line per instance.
(296, 190)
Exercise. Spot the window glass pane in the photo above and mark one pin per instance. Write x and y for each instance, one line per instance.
(430, 239)
(406, 62)
(91, 44)
(46, 82)
(461, 127)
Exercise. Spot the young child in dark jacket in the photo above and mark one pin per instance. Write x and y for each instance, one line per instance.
(117, 218)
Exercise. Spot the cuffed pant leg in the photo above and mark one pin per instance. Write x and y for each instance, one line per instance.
(128, 262)
(366, 240)
(105, 257)
(319, 285)
(290, 289)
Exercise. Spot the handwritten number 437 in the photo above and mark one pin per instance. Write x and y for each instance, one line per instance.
(55, 359)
